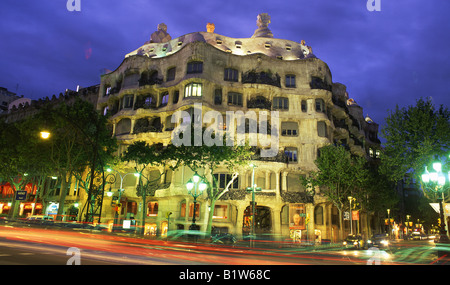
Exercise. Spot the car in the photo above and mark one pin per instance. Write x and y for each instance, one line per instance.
(379, 240)
(418, 236)
(354, 241)
(40, 219)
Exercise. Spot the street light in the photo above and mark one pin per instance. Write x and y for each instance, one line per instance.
(389, 222)
(350, 198)
(44, 134)
(122, 177)
(195, 187)
(436, 181)
(252, 189)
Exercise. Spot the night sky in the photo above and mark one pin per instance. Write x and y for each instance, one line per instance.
(388, 57)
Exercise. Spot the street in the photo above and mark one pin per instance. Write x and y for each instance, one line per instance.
(31, 245)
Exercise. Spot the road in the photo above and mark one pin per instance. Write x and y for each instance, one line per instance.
(25, 245)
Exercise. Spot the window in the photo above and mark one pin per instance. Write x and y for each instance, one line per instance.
(148, 102)
(195, 67)
(320, 105)
(191, 210)
(105, 110)
(131, 80)
(322, 129)
(152, 209)
(289, 129)
(280, 103)
(318, 215)
(220, 212)
(290, 81)
(164, 99)
(171, 74)
(234, 98)
(291, 154)
(127, 101)
(223, 180)
(176, 96)
(218, 97)
(193, 90)
(231, 74)
(108, 91)
(304, 106)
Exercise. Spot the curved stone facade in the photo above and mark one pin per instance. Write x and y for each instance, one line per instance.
(228, 74)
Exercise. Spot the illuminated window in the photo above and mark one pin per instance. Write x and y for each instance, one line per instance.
(220, 212)
(164, 99)
(291, 154)
(152, 209)
(193, 90)
(191, 210)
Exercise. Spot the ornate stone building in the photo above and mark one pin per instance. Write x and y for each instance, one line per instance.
(259, 74)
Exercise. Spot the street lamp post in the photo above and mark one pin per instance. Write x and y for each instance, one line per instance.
(195, 187)
(350, 198)
(407, 226)
(252, 189)
(389, 222)
(436, 181)
(122, 177)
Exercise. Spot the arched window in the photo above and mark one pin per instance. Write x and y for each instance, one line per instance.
(318, 215)
(193, 90)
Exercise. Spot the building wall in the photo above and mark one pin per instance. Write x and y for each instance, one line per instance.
(313, 86)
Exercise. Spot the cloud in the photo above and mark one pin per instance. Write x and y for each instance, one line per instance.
(384, 58)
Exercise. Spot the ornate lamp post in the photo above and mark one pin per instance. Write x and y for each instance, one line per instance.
(121, 190)
(435, 181)
(350, 198)
(252, 190)
(195, 187)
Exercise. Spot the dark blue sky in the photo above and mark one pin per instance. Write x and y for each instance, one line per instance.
(393, 56)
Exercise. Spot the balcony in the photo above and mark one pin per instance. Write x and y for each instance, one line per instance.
(262, 77)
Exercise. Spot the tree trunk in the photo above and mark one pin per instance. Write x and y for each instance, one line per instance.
(62, 197)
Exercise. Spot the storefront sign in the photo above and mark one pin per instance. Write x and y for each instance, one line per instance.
(21, 195)
(297, 216)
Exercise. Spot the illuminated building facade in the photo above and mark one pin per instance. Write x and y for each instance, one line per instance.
(260, 74)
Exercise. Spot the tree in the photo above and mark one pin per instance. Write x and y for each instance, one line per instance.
(145, 157)
(415, 135)
(80, 140)
(339, 176)
(209, 158)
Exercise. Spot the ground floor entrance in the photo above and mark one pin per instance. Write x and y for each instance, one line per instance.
(263, 221)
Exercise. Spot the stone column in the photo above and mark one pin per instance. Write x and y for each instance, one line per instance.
(276, 221)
